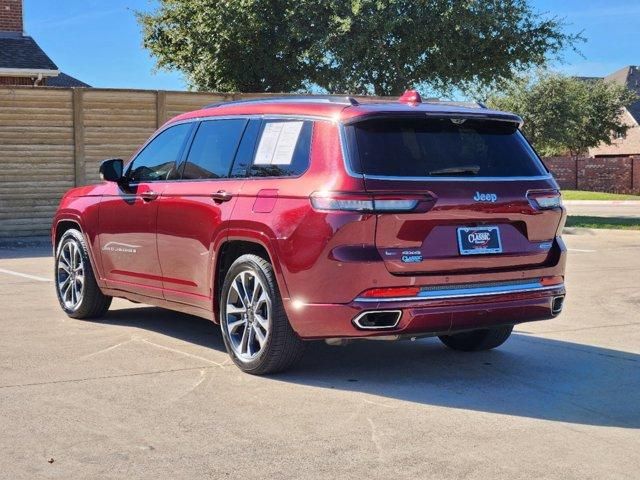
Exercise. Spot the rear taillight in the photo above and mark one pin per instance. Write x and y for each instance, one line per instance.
(357, 202)
(544, 199)
(390, 292)
(551, 281)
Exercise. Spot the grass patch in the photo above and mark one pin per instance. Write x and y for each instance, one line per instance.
(583, 195)
(615, 223)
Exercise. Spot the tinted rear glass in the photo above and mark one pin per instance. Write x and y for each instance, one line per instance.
(441, 147)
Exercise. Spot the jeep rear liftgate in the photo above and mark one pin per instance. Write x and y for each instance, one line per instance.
(482, 199)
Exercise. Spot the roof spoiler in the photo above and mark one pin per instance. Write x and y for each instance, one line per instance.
(488, 115)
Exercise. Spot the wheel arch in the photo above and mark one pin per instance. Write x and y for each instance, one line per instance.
(62, 225)
(232, 248)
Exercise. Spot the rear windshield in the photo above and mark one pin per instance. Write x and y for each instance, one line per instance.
(419, 147)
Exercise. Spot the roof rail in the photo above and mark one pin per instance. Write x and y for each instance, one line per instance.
(342, 100)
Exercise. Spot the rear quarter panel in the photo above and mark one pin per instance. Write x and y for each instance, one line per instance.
(277, 213)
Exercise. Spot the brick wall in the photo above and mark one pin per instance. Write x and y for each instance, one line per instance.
(11, 15)
(601, 174)
(564, 171)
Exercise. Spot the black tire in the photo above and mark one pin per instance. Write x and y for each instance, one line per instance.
(477, 340)
(282, 347)
(93, 303)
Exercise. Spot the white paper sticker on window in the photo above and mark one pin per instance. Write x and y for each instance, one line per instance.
(278, 142)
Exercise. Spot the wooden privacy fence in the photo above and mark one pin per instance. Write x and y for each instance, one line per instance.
(52, 139)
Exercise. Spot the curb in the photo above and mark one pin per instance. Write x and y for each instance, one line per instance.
(627, 203)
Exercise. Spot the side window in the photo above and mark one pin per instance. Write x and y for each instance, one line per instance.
(284, 147)
(247, 147)
(159, 158)
(213, 149)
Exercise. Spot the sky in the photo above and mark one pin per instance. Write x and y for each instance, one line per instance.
(99, 41)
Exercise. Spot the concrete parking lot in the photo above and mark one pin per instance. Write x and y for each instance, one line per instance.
(147, 393)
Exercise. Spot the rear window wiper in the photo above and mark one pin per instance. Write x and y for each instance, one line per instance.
(467, 170)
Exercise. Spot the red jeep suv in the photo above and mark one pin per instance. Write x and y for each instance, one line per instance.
(304, 218)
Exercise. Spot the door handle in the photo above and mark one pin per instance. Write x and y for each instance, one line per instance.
(221, 196)
(149, 196)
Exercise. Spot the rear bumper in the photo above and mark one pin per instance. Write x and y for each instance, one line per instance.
(441, 313)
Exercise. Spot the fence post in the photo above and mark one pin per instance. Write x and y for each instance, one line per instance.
(79, 163)
(161, 107)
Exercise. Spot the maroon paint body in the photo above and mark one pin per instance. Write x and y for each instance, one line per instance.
(323, 260)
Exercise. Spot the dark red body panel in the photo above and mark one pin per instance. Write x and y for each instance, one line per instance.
(323, 261)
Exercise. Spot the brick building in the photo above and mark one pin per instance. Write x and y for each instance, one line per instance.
(22, 61)
(628, 144)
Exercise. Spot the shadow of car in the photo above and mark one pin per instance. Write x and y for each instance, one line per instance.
(533, 377)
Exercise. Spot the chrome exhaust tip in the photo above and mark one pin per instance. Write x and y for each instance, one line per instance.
(378, 319)
(556, 304)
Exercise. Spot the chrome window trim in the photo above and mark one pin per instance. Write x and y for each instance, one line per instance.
(458, 179)
(465, 293)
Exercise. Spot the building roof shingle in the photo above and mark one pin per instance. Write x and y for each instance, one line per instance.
(64, 80)
(628, 76)
(19, 51)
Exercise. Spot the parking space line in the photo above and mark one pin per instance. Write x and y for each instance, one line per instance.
(197, 357)
(580, 250)
(105, 377)
(25, 275)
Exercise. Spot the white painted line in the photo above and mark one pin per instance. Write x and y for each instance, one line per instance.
(179, 351)
(580, 250)
(25, 275)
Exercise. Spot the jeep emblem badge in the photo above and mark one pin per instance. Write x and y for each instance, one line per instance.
(485, 197)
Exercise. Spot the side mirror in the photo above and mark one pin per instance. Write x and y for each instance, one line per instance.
(111, 170)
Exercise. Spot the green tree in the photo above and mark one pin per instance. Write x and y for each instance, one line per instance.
(565, 114)
(355, 46)
(236, 45)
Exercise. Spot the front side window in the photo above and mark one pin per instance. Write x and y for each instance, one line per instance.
(159, 158)
(284, 148)
(213, 149)
(419, 147)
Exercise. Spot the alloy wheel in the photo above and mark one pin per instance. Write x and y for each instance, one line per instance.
(70, 275)
(248, 315)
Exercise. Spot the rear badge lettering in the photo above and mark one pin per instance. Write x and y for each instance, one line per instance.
(485, 197)
(411, 256)
(120, 247)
